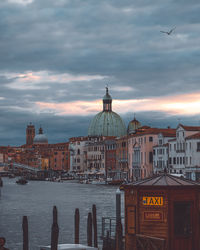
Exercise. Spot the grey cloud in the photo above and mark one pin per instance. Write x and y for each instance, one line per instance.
(113, 38)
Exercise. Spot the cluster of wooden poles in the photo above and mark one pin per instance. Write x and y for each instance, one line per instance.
(91, 231)
(91, 224)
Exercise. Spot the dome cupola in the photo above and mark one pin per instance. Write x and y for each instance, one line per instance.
(40, 138)
(133, 126)
(107, 122)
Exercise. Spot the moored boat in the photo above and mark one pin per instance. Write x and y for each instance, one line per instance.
(22, 181)
(98, 182)
(115, 182)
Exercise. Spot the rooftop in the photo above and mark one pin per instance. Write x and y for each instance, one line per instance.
(164, 180)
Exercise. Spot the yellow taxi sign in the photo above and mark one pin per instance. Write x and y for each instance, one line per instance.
(152, 201)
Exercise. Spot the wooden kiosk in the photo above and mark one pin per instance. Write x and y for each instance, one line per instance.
(162, 213)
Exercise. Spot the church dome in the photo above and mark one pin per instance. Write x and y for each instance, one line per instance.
(40, 138)
(133, 126)
(107, 122)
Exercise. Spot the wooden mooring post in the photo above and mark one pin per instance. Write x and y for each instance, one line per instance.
(89, 230)
(94, 220)
(119, 236)
(54, 230)
(76, 226)
(25, 232)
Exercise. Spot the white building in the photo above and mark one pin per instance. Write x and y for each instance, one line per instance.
(183, 154)
(78, 155)
(95, 148)
(192, 157)
(161, 152)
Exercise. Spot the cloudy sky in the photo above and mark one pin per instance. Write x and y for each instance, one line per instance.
(56, 58)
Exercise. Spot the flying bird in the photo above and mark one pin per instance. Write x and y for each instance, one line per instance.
(168, 32)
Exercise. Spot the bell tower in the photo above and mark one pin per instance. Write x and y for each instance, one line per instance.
(30, 134)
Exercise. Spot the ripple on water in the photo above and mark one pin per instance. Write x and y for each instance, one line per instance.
(36, 201)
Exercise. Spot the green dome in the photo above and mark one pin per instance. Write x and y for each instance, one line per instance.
(107, 122)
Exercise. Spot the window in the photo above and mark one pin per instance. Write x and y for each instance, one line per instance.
(150, 138)
(174, 160)
(160, 142)
(150, 157)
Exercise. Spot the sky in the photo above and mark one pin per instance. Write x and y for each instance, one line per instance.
(57, 57)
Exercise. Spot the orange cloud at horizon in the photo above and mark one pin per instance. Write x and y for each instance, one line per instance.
(185, 104)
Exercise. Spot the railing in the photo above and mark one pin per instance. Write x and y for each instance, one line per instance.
(109, 225)
(150, 243)
(180, 150)
(18, 165)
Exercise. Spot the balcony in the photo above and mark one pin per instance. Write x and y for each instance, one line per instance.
(123, 160)
(180, 151)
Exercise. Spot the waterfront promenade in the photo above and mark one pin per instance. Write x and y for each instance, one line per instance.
(36, 200)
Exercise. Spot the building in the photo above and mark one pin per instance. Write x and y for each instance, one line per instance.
(95, 149)
(110, 157)
(140, 150)
(183, 152)
(161, 151)
(122, 170)
(78, 154)
(192, 157)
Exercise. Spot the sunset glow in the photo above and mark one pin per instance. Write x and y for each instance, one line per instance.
(33, 80)
(173, 105)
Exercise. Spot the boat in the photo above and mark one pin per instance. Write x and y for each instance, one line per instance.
(11, 176)
(85, 181)
(98, 182)
(70, 247)
(22, 181)
(115, 182)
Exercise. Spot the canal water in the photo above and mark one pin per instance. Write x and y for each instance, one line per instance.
(36, 200)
